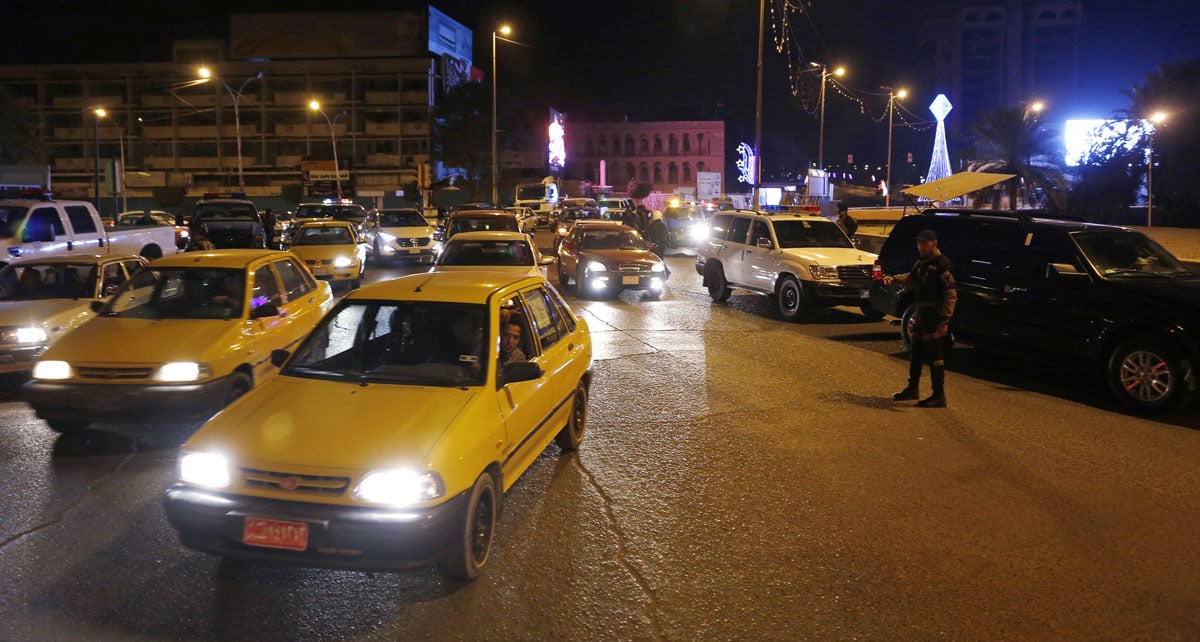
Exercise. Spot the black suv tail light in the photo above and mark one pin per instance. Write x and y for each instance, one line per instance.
(876, 271)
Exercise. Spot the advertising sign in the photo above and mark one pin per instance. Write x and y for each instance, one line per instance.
(558, 144)
(708, 185)
(447, 36)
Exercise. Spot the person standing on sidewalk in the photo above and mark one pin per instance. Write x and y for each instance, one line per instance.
(936, 296)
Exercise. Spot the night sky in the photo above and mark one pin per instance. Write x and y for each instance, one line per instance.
(650, 60)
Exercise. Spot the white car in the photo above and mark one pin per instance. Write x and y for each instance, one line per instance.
(492, 251)
(402, 234)
(42, 299)
(525, 217)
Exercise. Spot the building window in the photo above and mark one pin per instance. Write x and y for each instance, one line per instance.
(673, 145)
(603, 145)
(630, 172)
(673, 174)
(700, 166)
(658, 146)
(616, 144)
(687, 173)
(629, 146)
(700, 148)
(589, 148)
(644, 173)
(687, 143)
(644, 146)
(658, 176)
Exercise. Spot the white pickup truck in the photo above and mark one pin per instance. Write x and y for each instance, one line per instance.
(46, 227)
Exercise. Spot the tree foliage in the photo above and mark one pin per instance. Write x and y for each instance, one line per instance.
(1011, 140)
(462, 131)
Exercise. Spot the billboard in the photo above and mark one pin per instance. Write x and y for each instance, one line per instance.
(1080, 136)
(708, 185)
(359, 34)
(449, 37)
(557, 149)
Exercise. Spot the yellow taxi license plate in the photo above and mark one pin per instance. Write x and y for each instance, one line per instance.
(415, 250)
(274, 533)
(629, 280)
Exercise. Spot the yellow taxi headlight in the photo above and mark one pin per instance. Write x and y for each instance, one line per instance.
(51, 370)
(31, 335)
(204, 469)
(178, 371)
(399, 487)
(343, 261)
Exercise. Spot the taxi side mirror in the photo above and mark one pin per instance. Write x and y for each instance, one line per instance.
(547, 259)
(520, 371)
(279, 357)
(265, 310)
(764, 243)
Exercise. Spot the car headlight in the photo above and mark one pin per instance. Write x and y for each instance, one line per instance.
(342, 261)
(387, 237)
(31, 335)
(596, 266)
(52, 370)
(184, 234)
(699, 232)
(562, 231)
(204, 469)
(177, 371)
(658, 267)
(399, 487)
(824, 272)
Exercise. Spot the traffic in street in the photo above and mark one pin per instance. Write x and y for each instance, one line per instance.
(740, 476)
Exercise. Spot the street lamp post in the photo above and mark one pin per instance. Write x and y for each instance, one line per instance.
(206, 74)
(758, 105)
(1157, 118)
(505, 30)
(892, 96)
(840, 71)
(337, 168)
(100, 113)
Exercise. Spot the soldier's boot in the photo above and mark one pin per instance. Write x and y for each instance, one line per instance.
(938, 398)
(913, 390)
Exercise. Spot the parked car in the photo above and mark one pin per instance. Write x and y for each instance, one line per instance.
(685, 225)
(144, 218)
(226, 221)
(42, 299)
(403, 429)
(180, 340)
(508, 252)
(525, 217)
(605, 257)
(402, 234)
(612, 209)
(804, 262)
(332, 250)
(42, 226)
(1096, 298)
(477, 221)
(333, 210)
(586, 207)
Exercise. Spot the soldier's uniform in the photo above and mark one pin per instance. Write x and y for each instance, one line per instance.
(936, 296)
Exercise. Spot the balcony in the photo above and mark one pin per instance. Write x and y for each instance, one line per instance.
(383, 160)
(413, 98)
(86, 102)
(382, 98)
(415, 130)
(383, 129)
(71, 164)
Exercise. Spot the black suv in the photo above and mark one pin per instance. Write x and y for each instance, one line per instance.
(1096, 297)
(226, 221)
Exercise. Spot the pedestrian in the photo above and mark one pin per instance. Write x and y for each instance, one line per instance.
(658, 234)
(630, 218)
(268, 219)
(937, 294)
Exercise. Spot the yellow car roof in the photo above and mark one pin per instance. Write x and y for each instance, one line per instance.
(474, 286)
(74, 258)
(325, 223)
(216, 258)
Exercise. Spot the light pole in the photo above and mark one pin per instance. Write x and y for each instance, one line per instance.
(840, 71)
(505, 30)
(892, 96)
(337, 168)
(1157, 118)
(206, 74)
(100, 113)
(758, 105)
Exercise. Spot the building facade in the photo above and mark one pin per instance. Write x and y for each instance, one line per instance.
(171, 127)
(666, 154)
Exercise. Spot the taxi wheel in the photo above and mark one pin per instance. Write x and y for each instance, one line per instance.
(67, 427)
(571, 434)
(718, 288)
(356, 284)
(471, 547)
(792, 301)
(239, 385)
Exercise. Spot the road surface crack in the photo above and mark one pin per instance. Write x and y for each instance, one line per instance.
(78, 501)
(651, 610)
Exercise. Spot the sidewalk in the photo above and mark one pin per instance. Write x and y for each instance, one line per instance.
(1184, 243)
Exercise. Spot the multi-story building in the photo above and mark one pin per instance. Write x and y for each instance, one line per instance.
(988, 53)
(174, 128)
(666, 154)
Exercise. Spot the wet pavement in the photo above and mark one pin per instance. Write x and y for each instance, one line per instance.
(741, 478)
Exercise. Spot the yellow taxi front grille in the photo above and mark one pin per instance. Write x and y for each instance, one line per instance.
(107, 373)
(276, 480)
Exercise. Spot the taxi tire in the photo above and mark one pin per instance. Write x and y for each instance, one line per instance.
(64, 427)
(571, 434)
(718, 288)
(471, 547)
(793, 302)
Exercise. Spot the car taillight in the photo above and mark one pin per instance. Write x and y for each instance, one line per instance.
(876, 271)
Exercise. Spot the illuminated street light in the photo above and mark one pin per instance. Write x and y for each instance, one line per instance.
(892, 96)
(100, 113)
(840, 71)
(337, 169)
(206, 74)
(504, 30)
(1157, 118)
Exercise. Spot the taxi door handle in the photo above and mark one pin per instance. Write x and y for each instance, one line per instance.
(1010, 289)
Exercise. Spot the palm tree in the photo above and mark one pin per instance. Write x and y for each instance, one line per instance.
(1010, 140)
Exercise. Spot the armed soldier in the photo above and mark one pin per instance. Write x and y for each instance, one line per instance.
(936, 297)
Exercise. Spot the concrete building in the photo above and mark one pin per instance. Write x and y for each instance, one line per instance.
(376, 76)
(667, 154)
(988, 53)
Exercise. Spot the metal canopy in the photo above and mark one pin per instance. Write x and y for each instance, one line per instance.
(956, 185)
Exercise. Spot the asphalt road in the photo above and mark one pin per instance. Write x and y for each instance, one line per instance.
(742, 478)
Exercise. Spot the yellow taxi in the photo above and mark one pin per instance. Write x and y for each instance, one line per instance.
(179, 340)
(331, 249)
(390, 435)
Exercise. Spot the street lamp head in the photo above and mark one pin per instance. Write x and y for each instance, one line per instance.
(204, 72)
(840, 71)
(1038, 106)
(100, 112)
(314, 105)
(505, 30)
(1158, 117)
(903, 93)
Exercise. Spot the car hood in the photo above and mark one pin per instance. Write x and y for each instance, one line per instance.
(324, 252)
(47, 312)
(829, 255)
(531, 270)
(333, 424)
(611, 257)
(228, 225)
(1184, 292)
(142, 341)
(408, 232)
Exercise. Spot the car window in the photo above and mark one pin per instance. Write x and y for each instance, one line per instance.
(323, 235)
(1046, 246)
(718, 227)
(487, 253)
(760, 231)
(181, 293)
(738, 229)
(995, 246)
(112, 278)
(564, 310)
(132, 266)
(809, 233)
(41, 221)
(266, 288)
(401, 219)
(81, 219)
(295, 283)
(1121, 254)
(548, 324)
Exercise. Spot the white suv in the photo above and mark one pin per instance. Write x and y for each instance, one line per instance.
(805, 262)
